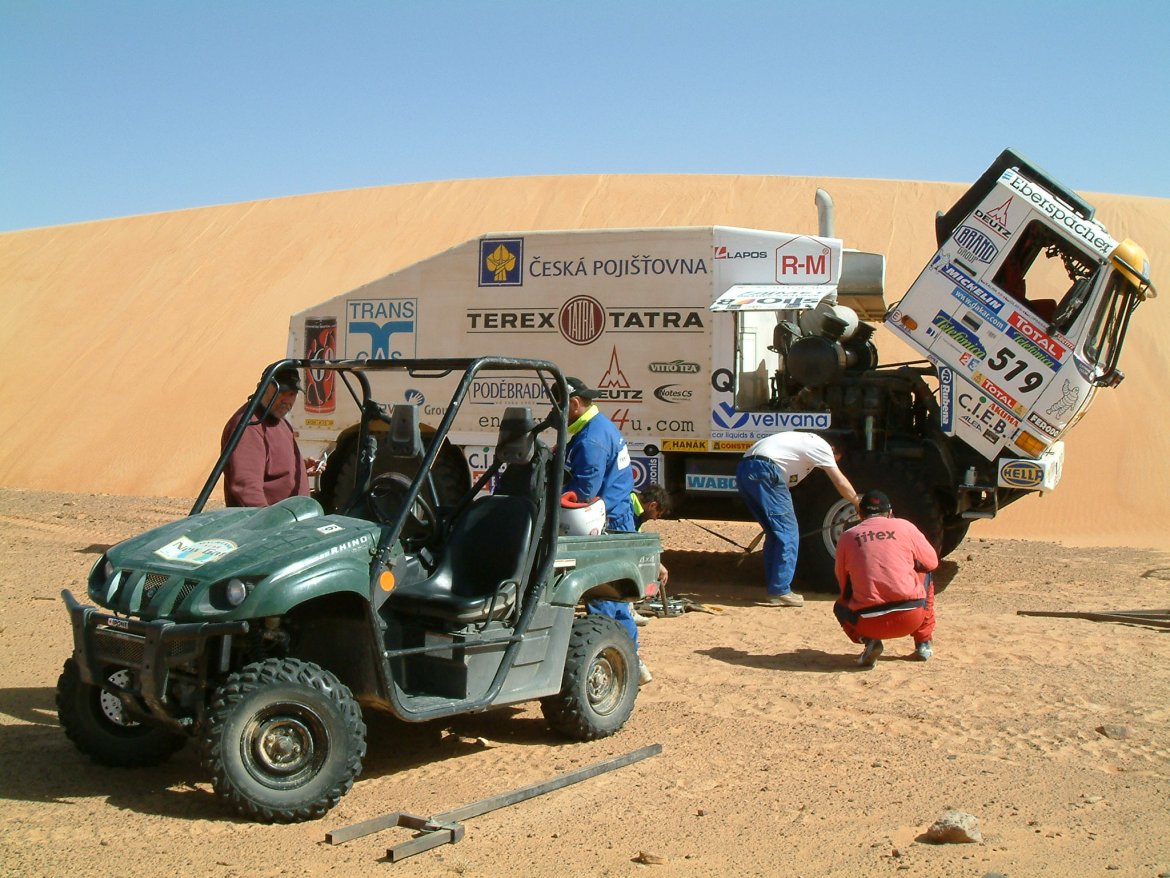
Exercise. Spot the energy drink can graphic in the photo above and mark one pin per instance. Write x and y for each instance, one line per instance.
(320, 344)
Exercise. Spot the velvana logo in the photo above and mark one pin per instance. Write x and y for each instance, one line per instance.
(726, 417)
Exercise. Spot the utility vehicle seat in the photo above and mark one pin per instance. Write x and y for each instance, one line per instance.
(482, 564)
(478, 576)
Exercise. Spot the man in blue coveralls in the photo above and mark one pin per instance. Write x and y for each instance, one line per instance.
(599, 466)
(765, 477)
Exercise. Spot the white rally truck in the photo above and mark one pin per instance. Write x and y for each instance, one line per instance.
(705, 339)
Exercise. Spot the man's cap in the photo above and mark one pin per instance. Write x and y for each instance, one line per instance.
(577, 387)
(874, 503)
(288, 379)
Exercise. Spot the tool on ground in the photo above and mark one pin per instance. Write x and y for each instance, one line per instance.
(750, 546)
(446, 828)
(1157, 618)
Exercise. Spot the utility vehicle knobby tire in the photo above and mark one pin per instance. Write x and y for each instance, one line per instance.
(600, 683)
(823, 515)
(95, 722)
(284, 741)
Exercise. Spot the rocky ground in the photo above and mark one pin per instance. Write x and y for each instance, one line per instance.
(778, 756)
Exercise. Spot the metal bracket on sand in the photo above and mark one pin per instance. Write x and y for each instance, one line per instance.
(445, 828)
(1157, 618)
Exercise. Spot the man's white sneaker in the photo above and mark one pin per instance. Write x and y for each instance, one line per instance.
(644, 675)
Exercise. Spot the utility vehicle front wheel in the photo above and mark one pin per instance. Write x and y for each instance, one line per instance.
(284, 741)
(96, 722)
(600, 682)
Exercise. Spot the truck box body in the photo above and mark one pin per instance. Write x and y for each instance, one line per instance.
(626, 310)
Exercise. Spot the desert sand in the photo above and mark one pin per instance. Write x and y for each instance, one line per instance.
(779, 757)
(129, 342)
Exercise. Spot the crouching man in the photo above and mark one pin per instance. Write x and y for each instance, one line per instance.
(887, 591)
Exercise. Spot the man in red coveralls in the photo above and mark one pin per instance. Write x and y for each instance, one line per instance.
(883, 570)
(266, 466)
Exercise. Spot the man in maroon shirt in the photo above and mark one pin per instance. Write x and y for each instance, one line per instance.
(266, 466)
(883, 569)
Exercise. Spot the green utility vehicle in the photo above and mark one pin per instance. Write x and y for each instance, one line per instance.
(264, 633)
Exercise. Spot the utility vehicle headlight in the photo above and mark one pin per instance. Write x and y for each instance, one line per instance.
(103, 579)
(235, 591)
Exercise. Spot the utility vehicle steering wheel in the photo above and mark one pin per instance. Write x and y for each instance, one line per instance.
(388, 494)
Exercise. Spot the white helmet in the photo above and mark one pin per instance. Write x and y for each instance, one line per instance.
(582, 517)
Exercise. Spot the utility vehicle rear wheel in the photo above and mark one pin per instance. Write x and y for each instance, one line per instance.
(284, 741)
(96, 722)
(600, 683)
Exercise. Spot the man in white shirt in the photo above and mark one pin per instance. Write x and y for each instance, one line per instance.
(765, 477)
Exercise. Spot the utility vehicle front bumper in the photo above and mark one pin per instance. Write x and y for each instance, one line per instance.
(103, 642)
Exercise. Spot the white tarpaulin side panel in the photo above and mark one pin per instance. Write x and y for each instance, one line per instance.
(773, 297)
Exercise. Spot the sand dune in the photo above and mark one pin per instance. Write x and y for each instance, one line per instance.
(128, 342)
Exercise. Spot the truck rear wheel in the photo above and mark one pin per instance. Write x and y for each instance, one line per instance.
(96, 722)
(600, 683)
(284, 741)
(823, 515)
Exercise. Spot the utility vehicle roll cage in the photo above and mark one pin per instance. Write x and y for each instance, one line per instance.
(353, 374)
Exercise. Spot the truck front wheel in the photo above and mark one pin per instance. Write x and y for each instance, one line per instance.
(600, 683)
(96, 722)
(284, 741)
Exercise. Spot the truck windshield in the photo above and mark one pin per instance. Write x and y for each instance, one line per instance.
(1047, 274)
(1107, 331)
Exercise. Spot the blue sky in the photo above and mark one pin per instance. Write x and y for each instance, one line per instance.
(122, 107)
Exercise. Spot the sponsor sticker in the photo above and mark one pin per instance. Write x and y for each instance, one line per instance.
(645, 470)
(946, 392)
(1022, 474)
(329, 529)
(501, 262)
(382, 329)
(740, 445)
(1043, 426)
(187, 551)
(718, 484)
(975, 245)
(684, 445)
(673, 393)
(614, 385)
(675, 367)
